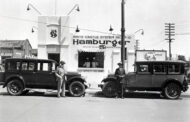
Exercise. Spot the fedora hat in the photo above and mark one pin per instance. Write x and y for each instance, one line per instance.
(119, 63)
(62, 62)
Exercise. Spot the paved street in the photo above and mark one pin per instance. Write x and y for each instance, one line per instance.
(138, 107)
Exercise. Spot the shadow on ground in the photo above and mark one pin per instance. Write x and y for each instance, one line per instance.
(89, 93)
(144, 95)
(36, 93)
(132, 95)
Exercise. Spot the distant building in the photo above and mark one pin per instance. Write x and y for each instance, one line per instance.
(15, 49)
(34, 52)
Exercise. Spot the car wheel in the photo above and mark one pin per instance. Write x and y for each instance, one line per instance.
(172, 91)
(110, 89)
(76, 89)
(15, 87)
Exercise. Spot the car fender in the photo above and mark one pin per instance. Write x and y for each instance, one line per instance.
(173, 81)
(14, 77)
(109, 79)
(76, 78)
(79, 78)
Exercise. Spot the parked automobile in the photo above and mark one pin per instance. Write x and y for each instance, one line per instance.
(21, 75)
(168, 77)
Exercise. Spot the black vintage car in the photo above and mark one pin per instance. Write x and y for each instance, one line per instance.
(167, 77)
(21, 75)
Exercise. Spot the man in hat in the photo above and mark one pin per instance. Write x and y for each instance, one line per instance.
(119, 73)
(60, 78)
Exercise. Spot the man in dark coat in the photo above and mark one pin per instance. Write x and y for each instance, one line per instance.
(119, 73)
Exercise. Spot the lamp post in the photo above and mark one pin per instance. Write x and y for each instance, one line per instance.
(30, 5)
(122, 32)
(137, 41)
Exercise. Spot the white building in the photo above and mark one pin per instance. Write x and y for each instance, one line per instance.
(102, 52)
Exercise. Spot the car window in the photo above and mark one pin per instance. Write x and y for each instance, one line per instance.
(13, 65)
(53, 66)
(174, 69)
(31, 66)
(2, 69)
(28, 66)
(24, 65)
(159, 69)
(44, 66)
(143, 68)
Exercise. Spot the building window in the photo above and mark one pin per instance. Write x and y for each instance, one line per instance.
(91, 59)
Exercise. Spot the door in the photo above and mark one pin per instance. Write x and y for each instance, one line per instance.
(143, 76)
(45, 77)
(159, 74)
(28, 72)
(54, 56)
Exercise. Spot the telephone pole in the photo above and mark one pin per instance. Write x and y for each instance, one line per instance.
(170, 32)
(123, 32)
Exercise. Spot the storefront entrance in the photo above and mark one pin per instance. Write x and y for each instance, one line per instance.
(54, 56)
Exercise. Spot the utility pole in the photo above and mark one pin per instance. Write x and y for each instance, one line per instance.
(170, 32)
(123, 33)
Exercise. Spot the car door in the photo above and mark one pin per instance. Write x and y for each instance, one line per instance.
(143, 76)
(159, 74)
(45, 75)
(28, 72)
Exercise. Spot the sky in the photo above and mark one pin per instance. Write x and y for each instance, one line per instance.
(97, 15)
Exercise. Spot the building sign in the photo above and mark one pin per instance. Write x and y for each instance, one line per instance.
(53, 33)
(107, 41)
(151, 55)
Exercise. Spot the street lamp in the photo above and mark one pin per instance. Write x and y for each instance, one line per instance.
(142, 31)
(137, 41)
(77, 9)
(30, 5)
(111, 29)
(33, 27)
(77, 29)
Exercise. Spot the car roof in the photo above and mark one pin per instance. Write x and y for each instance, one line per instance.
(30, 59)
(167, 61)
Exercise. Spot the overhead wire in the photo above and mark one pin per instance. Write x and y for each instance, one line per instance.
(27, 20)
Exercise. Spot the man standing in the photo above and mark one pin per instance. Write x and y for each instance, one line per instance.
(60, 78)
(119, 73)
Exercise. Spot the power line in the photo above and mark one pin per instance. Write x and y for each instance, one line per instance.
(27, 20)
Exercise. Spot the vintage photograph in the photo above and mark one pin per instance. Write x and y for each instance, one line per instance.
(94, 60)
